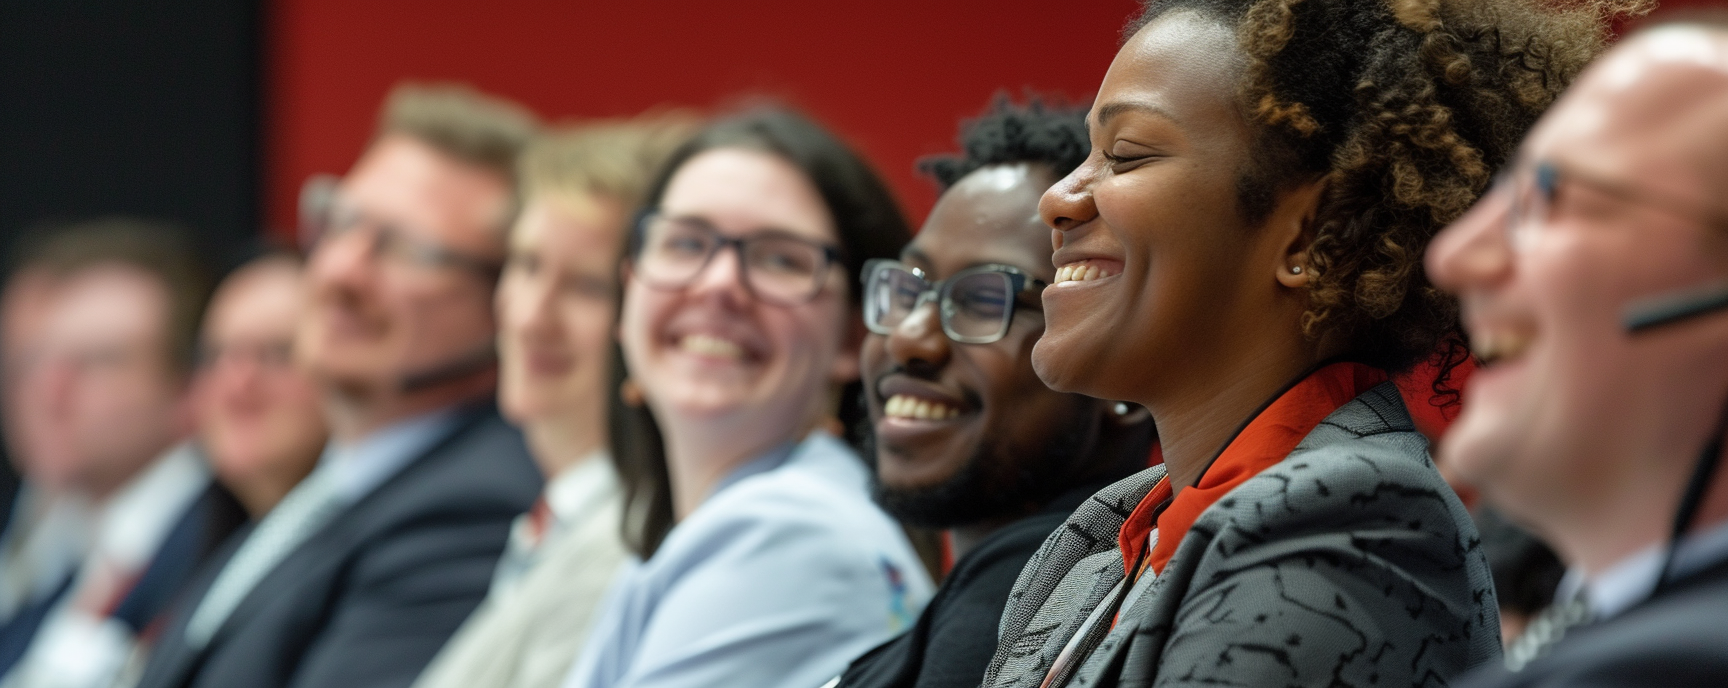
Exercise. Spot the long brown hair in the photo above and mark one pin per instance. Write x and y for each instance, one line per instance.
(870, 225)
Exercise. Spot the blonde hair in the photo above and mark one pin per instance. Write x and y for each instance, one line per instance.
(614, 159)
(460, 122)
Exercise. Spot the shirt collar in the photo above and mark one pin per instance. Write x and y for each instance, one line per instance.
(581, 486)
(1264, 441)
(1632, 580)
(359, 467)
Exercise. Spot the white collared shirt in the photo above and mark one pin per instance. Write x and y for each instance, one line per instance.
(78, 645)
(568, 496)
(1632, 580)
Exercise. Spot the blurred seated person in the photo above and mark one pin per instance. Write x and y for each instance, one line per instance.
(46, 536)
(367, 566)
(556, 304)
(764, 562)
(966, 436)
(260, 421)
(1591, 279)
(109, 391)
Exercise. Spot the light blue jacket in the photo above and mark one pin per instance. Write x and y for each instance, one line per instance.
(782, 577)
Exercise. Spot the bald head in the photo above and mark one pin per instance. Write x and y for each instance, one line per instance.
(1574, 426)
(1652, 109)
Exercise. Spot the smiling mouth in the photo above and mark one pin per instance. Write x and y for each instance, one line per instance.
(1493, 347)
(710, 346)
(908, 406)
(1082, 271)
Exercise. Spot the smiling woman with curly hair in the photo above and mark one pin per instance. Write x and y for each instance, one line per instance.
(1242, 255)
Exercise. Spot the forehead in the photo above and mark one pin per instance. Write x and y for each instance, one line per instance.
(989, 216)
(1651, 111)
(1182, 65)
(262, 301)
(583, 223)
(405, 180)
(105, 304)
(740, 189)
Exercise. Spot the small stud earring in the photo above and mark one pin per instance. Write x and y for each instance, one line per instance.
(1121, 408)
(1295, 269)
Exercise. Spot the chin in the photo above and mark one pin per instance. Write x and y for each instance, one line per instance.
(1064, 369)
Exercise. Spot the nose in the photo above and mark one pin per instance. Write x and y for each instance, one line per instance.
(722, 277)
(1473, 252)
(1069, 204)
(529, 309)
(918, 343)
(339, 262)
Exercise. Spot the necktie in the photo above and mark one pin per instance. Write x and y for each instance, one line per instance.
(302, 512)
(1545, 631)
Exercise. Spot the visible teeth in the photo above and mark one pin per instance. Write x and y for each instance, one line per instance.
(905, 406)
(1493, 346)
(1080, 272)
(708, 345)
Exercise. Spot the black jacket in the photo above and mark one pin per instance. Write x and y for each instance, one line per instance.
(1676, 640)
(372, 596)
(956, 635)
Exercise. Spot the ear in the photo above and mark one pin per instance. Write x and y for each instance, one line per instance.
(1292, 225)
(847, 365)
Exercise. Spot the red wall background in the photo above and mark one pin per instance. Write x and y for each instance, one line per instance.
(891, 76)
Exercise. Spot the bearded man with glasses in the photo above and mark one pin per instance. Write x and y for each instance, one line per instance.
(966, 438)
(1592, 288)
(365, 568)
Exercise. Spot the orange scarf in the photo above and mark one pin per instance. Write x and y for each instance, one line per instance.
(1265, 441)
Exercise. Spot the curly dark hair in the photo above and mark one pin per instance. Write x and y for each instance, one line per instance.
(1041, 131)
(1407, 108)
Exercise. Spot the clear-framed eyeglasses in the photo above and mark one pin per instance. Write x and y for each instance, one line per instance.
(774, 264)
(975, 305)
(1534, 188)
(326, 216)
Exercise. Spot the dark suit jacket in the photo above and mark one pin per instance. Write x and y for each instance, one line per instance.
(956, 635)
(1676, 640)
(369, 599)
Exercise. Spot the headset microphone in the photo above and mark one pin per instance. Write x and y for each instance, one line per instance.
(477, 361)
(1668, 310)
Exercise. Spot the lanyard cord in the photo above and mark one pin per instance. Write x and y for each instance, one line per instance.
(1703, 474)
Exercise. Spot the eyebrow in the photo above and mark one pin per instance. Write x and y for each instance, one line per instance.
(1110, 110)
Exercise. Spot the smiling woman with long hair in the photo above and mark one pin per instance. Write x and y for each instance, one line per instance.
(1241, 254)
(764, 562)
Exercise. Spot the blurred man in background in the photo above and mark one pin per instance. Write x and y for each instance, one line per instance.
(260, 422)
(43, 541)
(103, 397)
(368, 565)
(1597, 418)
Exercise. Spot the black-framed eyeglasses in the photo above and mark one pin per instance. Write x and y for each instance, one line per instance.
(774, 264)
(1535, 186)
(326, 216)
(975, 305)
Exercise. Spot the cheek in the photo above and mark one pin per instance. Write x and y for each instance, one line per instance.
(644, 311)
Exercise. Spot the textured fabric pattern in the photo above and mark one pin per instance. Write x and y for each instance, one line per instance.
(1349, 563)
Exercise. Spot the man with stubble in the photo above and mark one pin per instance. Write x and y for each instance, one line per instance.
(368, 565)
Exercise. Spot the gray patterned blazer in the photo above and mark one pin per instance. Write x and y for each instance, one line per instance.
(1350, 563)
